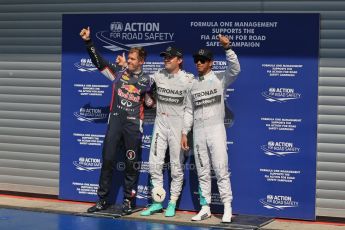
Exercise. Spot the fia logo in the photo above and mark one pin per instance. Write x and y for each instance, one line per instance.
(116, 27)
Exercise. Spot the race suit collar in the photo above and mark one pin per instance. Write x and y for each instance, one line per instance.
(177, 74)
(137, 74)
(208, 75)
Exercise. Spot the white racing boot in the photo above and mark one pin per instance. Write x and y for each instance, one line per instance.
(227, 213)
(203, 214)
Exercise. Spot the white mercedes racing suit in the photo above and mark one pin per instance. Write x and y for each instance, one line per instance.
(205, 106)
(171, 102)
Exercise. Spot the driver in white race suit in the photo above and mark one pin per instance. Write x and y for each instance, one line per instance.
(205, 110)
(172, 85)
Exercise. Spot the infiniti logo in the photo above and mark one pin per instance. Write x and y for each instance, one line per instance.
(126, 103)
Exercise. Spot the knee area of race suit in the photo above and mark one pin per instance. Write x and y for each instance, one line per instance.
(107, 166)
(176, 171)
(111, 145)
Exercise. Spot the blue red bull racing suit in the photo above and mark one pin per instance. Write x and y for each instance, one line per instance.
(124, 123)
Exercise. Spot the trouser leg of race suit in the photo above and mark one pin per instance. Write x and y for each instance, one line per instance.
(203, 166)
(219, 158)
(176, 159)
(110, 144)
(157, 153)
(132, 137)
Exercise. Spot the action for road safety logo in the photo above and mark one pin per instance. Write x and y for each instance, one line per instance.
(146, 141)
(92, 114)
(280, 94)
(87, 164)
(279, 148)
(133, 34)
(144, 192)
(278, 202)
(85, 65)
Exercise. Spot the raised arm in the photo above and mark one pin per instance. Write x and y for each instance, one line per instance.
(233, 65)
(106, 68)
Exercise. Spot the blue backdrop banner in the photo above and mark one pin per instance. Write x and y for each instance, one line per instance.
(271, 113)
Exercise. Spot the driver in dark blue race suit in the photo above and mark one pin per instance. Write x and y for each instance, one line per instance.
(125, 120)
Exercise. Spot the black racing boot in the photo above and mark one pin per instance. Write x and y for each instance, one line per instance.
(127, 207)
(100, 205)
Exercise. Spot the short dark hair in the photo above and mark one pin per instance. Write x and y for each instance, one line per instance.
(141, 52)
